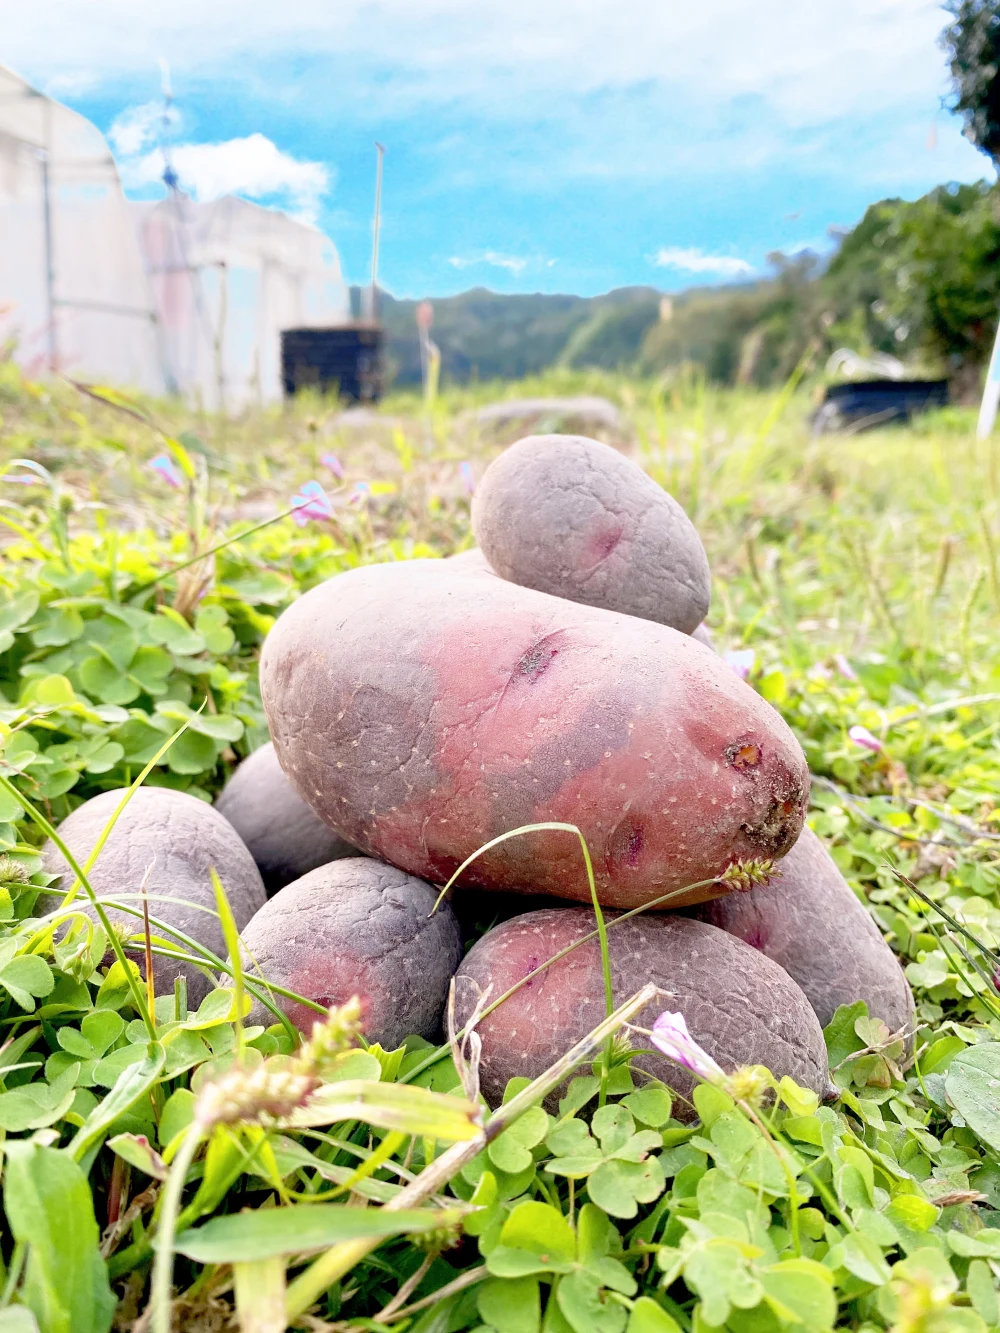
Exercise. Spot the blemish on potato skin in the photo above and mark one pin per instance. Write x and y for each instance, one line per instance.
(625, 846)
(744, 755)
(536, 661)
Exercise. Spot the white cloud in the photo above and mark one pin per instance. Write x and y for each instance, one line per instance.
(690, 260)
(510, 262)
(810, 62)
(139, 126)
(72, 83)
(255, 167)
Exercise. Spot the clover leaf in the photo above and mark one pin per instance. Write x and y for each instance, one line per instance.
(616, 1164)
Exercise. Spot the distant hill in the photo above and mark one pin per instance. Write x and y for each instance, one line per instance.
(916, 280)
(483, 335)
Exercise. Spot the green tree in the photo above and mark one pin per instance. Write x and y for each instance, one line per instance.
(972, 41)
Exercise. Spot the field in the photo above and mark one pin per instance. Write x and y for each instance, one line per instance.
(142, 561)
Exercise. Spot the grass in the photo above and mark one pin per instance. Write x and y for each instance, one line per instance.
(862, 572)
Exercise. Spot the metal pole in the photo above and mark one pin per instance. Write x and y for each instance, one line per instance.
(50, 260)
(991, 393)
(373, 295)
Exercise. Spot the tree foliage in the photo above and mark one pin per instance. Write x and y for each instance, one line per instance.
(972, 41)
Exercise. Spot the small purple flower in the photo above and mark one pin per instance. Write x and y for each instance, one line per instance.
(468, 479)
(332, 462)
(670, 1035)
(742, 661)
(166, 468)
(311, 503)
(360, 493)
(863, 737)
(844, 667)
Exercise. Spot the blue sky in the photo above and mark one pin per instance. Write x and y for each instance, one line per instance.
(532, 145)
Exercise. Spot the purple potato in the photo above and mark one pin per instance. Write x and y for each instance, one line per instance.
(358, 927)
(285, 837)
(422, 711)
(739, 1005)
(573, 517)
(170, 842)
(809, 921)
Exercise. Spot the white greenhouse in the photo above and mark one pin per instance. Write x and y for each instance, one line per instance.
(172, 296)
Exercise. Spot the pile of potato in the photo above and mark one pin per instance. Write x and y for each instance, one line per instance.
(558, 673)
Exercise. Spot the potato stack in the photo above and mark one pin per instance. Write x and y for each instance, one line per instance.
(422, 709)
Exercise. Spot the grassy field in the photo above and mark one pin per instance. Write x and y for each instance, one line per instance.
(141, 564)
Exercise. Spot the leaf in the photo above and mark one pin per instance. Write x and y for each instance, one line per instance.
(150, 668)
(102, 680)
(861, 1256)
(267, 1233)
(38, 1105)
(108, 1071)
(49, 1208)
(648, 1317)
(801, 1291)
(137, 1150)
(9, 808)
(973, 1087)
(651, 1106)
(219, 726)
(913, 1211)
(175, 634)
(579, 1297)
(982, 1292)
(540, 1230)
(15, 612)
(132, 1083)
(984, 1244)
(18, 1319)
(390, 1106)
(191, 753)
(571, 1138)
(510, 1306)
(618, 1187)
(510, 1151)
(102, 1029)
(25, 977)
(177, 1114)
(841, 1038)
(614, 1126)
(49, 691)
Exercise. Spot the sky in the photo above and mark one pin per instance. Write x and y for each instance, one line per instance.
(531, 145)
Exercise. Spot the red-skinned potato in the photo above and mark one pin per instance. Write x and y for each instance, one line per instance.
(170, 842)
(810, 922)
(421, 712)
(739, 1006)
(285, 837)
(573, 517)
(358, 927)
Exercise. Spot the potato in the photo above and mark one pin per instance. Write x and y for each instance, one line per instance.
(421, 712)
(470, 561)
(284, 836)
(177, 839)
(358, 927)
(739, 1005)
(703, 635)
(573, 517)
(809, 920)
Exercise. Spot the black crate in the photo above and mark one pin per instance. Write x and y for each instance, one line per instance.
(346, 361)
(866, 404)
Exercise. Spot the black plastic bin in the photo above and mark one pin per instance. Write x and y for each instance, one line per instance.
(866, 404)
(346, 361)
